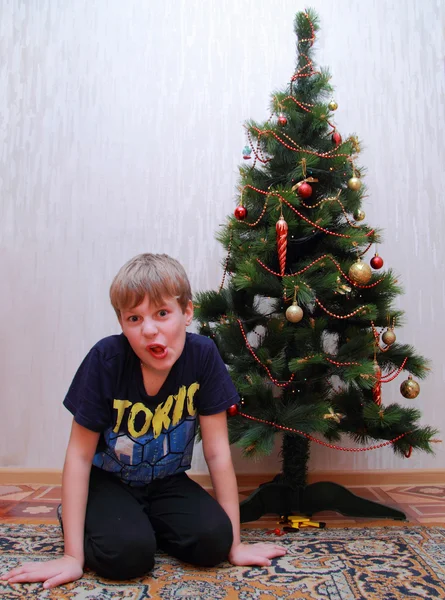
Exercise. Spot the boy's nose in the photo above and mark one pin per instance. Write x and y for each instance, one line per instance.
(149, 329)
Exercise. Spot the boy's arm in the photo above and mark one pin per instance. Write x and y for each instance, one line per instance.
(217, 454)
(215, 444)
(76, 472)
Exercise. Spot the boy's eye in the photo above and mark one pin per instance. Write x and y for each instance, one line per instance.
(163, 313)
(133, 319)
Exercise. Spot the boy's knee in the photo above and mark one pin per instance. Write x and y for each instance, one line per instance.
(120, 559)
(213, 545)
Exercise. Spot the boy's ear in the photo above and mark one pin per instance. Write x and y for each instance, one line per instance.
(189, 313)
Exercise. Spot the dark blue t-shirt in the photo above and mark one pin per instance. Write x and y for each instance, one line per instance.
(147, 437)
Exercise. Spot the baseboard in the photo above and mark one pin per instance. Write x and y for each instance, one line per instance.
(13, 476)
(359, 478)
(405, 477)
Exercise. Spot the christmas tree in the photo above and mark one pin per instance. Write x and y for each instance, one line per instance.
(303, 319)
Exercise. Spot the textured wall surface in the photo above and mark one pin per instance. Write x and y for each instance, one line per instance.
(121, 132)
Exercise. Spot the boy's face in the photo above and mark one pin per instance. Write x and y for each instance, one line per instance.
(157, 332)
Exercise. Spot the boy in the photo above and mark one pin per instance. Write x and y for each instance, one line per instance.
(135, 399)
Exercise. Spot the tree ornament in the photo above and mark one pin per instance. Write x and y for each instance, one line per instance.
(240, 213)
(232, 410)
(377, 388)
(294, 313)
(282, 120)
(333, 105)
(304, 190)
(281, 228)
(360, 272)
(409, 388)
(389, 337)
(359, 215)
(247, 151)
(354, 184)
(336, 138)
(355, 143)
(337, 417)
(342, 288)
(409, 452)
(376, 261)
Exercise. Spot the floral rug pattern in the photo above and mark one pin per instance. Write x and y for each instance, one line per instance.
(386, 563)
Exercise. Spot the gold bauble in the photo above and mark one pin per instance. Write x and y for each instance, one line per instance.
(354, 184)
(294, 313)
(360, 272)
(389, 337)
(409, 388)
(355, 143)
(333, 105)
(359, 215)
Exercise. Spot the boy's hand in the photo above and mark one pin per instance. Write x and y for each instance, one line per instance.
(244, 555)
(52, 573)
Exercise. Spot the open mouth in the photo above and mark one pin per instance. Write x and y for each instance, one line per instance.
(157, 351)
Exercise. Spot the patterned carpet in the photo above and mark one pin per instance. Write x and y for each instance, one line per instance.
(388, 563)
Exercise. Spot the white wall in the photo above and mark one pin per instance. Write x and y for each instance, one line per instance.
(121, 132)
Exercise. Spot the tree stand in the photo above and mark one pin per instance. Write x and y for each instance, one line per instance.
(288, 494)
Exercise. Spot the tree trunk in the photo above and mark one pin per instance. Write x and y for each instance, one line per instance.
(295, 458)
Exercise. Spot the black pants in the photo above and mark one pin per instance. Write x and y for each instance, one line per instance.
(125, 525)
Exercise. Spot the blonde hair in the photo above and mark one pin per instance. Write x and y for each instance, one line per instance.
(157, 276)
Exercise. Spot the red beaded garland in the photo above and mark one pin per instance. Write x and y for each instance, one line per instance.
(280, 197)
(390, 376)
(317, 441)
(342, 364)
(226, 262)
(249, 347)
(296, 147)
(303, 105)
(331, 314)
(261, 214)
(315, 262)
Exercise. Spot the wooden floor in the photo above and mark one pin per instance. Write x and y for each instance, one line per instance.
(422, 504)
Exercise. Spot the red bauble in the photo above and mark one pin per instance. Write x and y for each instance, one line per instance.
(304, 190)
(232, 410)
(336, 138)
(376, 262)
(240, 213)
(282, 121)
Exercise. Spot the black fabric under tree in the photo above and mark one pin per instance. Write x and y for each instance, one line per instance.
(307, 328)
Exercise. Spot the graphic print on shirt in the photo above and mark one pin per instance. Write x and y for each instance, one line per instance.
(142, 445)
